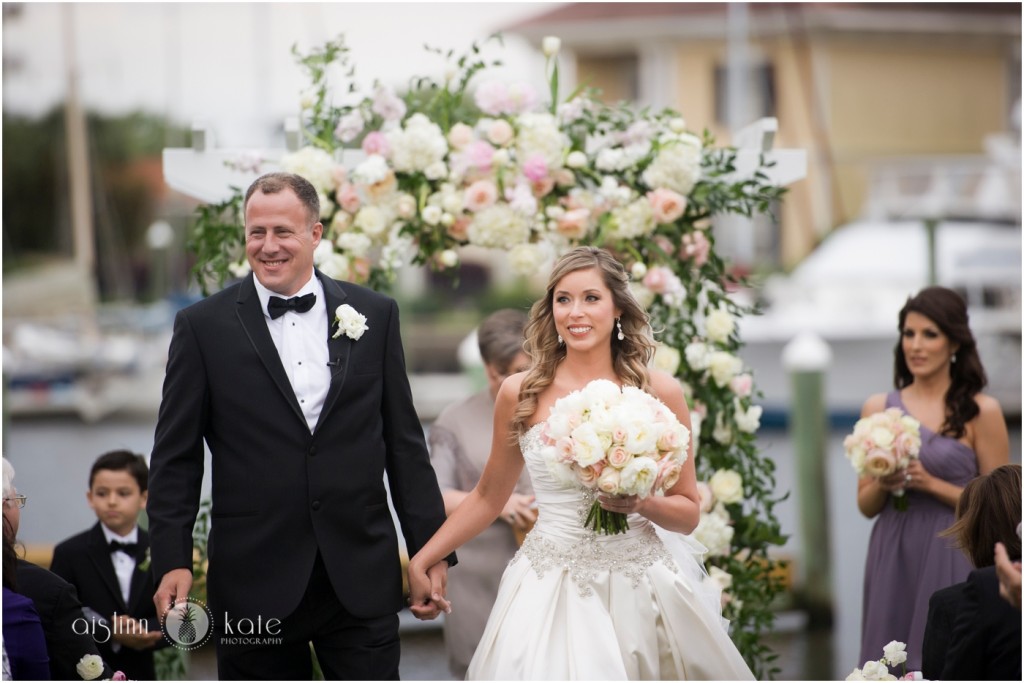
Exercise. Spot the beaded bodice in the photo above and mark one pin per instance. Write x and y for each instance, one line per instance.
(560, 542)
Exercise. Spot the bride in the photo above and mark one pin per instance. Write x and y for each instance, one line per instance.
(575, 604)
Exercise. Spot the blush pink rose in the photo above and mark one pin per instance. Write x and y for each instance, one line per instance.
(459, 230)
(565, 447)
(500, 132)
(618, 456)
(879, 463)
(542, 187)
(742, 385)
(460, 135)
(376, 143)
(348, 198)
(667, 205)
(668, 474)
(700, 409)
(588, 476)
(906, 444)
(707, 498)
(669, 440)
(480, 195)
(665, 244)
(657, 279)
(696, 247)
(360, 269)
(573, 224)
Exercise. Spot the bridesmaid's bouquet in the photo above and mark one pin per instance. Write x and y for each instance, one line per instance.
(620, 441)
(882, 444)
(878, 670)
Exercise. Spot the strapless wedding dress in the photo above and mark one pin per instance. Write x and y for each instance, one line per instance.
(576, 605)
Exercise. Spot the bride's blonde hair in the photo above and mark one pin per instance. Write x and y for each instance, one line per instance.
(630, 356)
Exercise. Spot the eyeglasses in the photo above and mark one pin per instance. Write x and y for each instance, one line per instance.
(17, 501)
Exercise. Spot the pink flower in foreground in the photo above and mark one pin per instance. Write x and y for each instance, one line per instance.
(348, 197)
(742, 385)
(573, 224)
(696, 247)
(480, 155)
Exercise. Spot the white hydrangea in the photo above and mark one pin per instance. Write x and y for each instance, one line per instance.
(714, 531)
(539, 134)
(499, 227)
(418, 145)
(355, 243)
(633, 220)
(371, 170)
(526, 259)
(313, 164)
(676, 166)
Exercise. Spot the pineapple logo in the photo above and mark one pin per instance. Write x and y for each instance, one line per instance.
(188, 625)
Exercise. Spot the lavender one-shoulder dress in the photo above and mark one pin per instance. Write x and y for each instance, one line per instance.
(907, 559)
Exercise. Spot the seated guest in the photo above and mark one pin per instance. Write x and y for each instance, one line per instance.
(22, 630)
(55, 599)
(972, 633)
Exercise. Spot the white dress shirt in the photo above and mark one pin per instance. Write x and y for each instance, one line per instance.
(301, 341)
(124, 564)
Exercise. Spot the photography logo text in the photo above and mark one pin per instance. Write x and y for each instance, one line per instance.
(187, 625)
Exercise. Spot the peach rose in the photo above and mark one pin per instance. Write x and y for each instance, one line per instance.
(480, 195)
(879, 463)
(573, 224)
(348, 197)
(668, 206)
(618, 456)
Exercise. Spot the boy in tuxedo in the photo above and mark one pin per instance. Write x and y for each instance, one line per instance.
(109, 566)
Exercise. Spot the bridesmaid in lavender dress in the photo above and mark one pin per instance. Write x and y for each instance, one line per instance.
(938, 378)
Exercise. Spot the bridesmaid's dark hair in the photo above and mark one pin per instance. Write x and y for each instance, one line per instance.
(948, 311)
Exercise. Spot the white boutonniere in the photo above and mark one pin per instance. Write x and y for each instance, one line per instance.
(89, 667)
(350, 322)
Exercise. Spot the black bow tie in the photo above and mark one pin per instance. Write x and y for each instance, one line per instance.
(128, 548)
(300, 304)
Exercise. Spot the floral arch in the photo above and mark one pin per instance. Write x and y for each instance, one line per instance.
(447, 164)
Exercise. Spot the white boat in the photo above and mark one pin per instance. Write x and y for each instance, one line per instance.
(849, 292)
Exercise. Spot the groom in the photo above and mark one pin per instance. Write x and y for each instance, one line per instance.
(303, 416)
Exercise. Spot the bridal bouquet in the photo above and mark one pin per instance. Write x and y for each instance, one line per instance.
(617, 441)
(882, 444)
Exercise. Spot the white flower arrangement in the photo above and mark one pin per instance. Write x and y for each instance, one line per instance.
(878, 670)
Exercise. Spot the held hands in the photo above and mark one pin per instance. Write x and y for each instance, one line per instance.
(519, 511)
(915, 476)
(427, 590)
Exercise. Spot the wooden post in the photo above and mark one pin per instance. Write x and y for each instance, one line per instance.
(806, 358)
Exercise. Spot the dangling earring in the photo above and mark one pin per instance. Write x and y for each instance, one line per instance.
(953, 358)
(618, 324)
(560, 340)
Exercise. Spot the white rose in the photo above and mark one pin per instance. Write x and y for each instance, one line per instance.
(727, 486)
(406, 206)
(895, 652)
(720, 578)
(372, 220)
(721, 433)
(724, 366)
(435, 171)
(714, 531)
(431, 214)
(89, 667)
(448, 258)
(748, 420)
(638, 270)
(667, 359)
(855, 675)
(576, 159)
(698, 356)
(719, 324)
(551, 45)
(875, 671)
(356, 243)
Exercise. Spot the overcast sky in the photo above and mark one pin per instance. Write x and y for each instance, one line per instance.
(230, 63)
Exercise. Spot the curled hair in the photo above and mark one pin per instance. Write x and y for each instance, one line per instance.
(629, 356)
(988, 511)
(948, 311)
(272, 183)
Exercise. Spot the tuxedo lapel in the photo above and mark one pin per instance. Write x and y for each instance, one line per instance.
(138, 582)
(338, 349)
(250, 314)
(99, 555)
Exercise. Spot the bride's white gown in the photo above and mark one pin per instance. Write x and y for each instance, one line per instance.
(575, 605)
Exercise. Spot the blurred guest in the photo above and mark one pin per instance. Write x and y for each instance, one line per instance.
(460, 441)
(972, 633)
(55, 599)
(22, 630)
(938, 378)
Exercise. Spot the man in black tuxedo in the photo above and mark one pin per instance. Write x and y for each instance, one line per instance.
(304, 406)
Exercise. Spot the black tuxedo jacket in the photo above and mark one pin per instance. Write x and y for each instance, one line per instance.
(61, 615)
(281, 494)
(84, 561)
(985, 643)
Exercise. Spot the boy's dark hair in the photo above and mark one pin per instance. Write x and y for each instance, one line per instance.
(123, 461)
